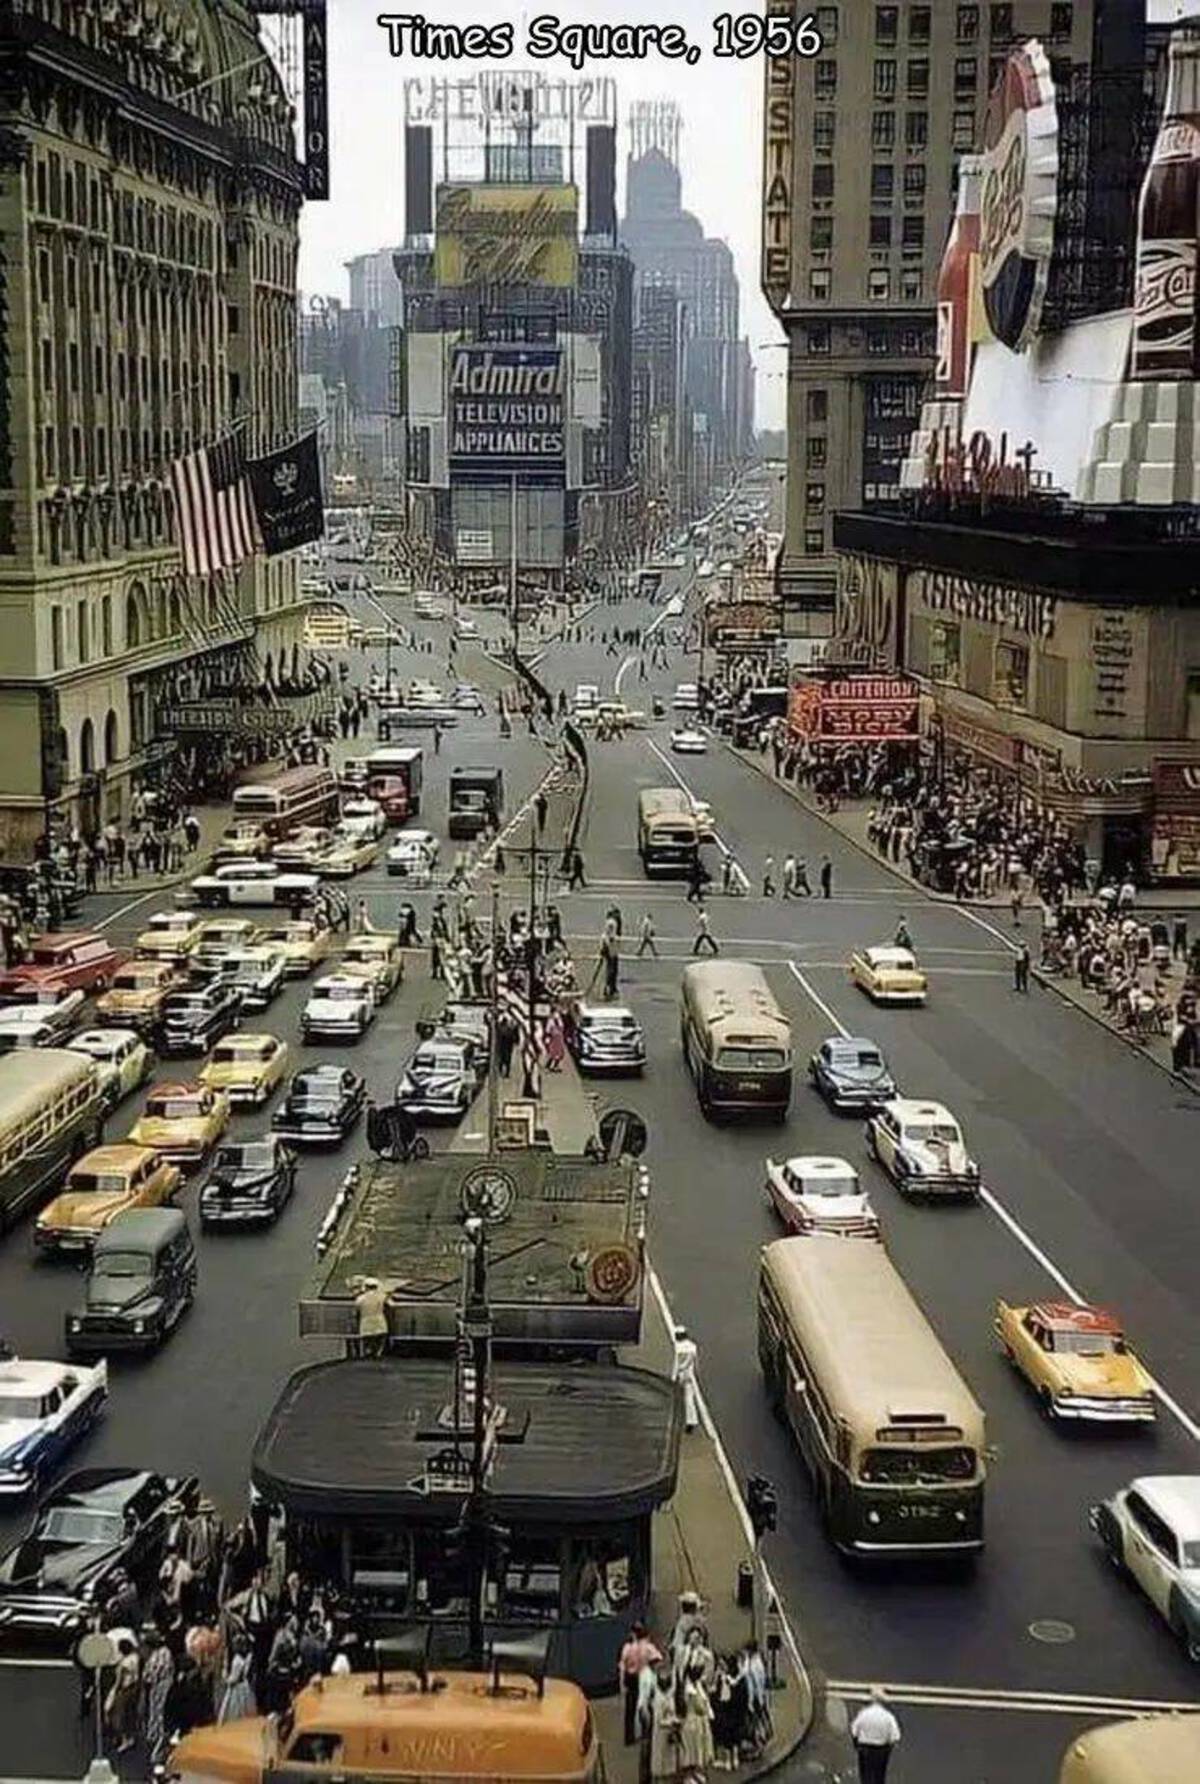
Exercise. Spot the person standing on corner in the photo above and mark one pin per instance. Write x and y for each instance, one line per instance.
(1021, 968)
(826, 877)
(875, 1733)
(687, 1356)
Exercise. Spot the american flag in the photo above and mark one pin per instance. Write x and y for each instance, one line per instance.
(214, 515)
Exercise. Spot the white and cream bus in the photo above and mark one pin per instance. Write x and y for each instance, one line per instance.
(736, 1039)
(668, 831)
(51, 1113)
(1150, 1750)
(892, 1436)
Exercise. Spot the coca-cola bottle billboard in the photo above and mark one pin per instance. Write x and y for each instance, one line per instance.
(1164, 327)
(955, 282)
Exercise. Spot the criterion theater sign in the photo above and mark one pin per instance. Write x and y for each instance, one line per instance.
(506, 408)
(1019, 196)
(855, 709)
(992, 603)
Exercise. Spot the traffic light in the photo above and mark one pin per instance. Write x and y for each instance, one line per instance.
(761, 1504)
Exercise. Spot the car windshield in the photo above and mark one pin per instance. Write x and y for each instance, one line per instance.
(174, 1108)
(605, 1021)
(933, 1133)
(125, 1266)
(97, 1182)
(821, 1186)
(254, 1155)
(229, 1054)
(66, 1523)
(433, 1061)
(751, 1059)
(340, 993)
(917, 1467)
(135, 981)
(168, 920)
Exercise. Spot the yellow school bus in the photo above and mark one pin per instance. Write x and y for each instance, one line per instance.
(374, 1728)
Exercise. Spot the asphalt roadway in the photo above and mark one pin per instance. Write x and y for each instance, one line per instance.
(1088, 1158)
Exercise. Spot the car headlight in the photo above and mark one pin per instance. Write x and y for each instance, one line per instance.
(139, 1325)
(74, 1324)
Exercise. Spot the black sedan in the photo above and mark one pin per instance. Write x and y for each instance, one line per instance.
(851, 1073)
(607, 1040)
(322, 1104)
(194, 1021)
(250, 1184)
(98, 1521)
(439, 1082)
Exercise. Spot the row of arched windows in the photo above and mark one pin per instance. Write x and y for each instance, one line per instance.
(87, 760)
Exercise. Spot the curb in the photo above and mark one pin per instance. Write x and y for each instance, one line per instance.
(1048, 983)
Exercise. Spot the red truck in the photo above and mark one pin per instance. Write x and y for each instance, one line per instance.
(82, 961)
(394, 779)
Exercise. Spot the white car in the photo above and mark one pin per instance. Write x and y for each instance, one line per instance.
(689, 741)
(363, 817)
(427, 607)
(821, 1195)
(340, 1007)
(921, 1147)
(467, 698)
(686, 697)
(466, 628)
(254, 882)
(121, 1056)
(45, 1408)
(414, 854)
(39, 1024)
(1151, 1531)
(425, 693)
(587, 698)
(258, 974)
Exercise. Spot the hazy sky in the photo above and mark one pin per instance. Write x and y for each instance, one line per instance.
(721, 150)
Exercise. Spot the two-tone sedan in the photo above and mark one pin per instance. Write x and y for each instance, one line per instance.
(169, 936)
(346, 855)
(45, 1408)
(258, 973)
(379, 959)
(320, 1106)
(889, 975)
(851, 1074)
(921, 1147)
(106, 1182)
(821, 1195)
(250, 1184)
(1077, 1361)
(182, 1122)
(1151, 1533)
(439, 1082)
(607, 1040)
(340, 1007)
(121, 1057)
(305, 943)
(136, 996)
(689, 740)
(219, 938)
(247, 1069)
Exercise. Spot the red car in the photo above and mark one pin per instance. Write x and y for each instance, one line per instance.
(66, 962)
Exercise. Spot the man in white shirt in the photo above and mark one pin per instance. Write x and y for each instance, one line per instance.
(875, 1732)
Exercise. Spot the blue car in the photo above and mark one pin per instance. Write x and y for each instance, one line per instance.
(45, 1408)
(851, 1074)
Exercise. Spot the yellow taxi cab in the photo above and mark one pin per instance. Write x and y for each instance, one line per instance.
(376, 958)
(1077, 1361)
(345, 856)
(246, 1068)
(242, 839)
(135, 997)
(303, 943)
(182, 1121)
(105, 1182)
(889, 975)
(169, 935)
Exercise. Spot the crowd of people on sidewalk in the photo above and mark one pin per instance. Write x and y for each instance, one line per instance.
(689, 1707)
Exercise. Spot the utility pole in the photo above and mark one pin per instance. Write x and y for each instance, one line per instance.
(476, 1328)
(514, 597)
(494, 1020)
(533, 853)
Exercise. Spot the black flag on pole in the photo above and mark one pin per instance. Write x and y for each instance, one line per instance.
(285, 487)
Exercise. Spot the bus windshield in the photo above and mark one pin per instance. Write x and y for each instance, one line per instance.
(902, 1467)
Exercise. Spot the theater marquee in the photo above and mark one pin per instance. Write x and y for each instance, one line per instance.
(855, 709)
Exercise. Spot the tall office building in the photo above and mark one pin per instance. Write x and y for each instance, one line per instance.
(374, 288)
(861, 150)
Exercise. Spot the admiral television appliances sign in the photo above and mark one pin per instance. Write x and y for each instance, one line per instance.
(506, 410)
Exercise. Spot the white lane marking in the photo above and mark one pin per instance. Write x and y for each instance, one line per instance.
(730, 1479)
(12, 1664)
(991, 1201)
(133, 904)
(975, 1698)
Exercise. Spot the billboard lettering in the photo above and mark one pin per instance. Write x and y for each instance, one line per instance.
(855, 709)
(506, 409)
(507, 235)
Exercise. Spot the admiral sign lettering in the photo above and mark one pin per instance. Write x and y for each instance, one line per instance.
(506, 408)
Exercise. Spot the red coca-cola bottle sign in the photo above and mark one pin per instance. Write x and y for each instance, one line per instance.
(1164, 323)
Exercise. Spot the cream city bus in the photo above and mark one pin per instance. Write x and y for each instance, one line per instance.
(51, 1113)
(892, 1436)
(1151, 1750)
(668, 831)
(736, 1040)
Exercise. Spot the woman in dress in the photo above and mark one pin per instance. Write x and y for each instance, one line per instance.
(237, 1693)
(695, 1726)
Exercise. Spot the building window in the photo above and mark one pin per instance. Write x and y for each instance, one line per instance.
(822, 179)
(966, 74)
(106, 626)
(879, 284)
(883, 130)
(914, 180)
(885, 80)
(827, 23)
(77, 452)
(912, 233)
(996, 66)
(56, 638)
(72, 281)
(815, 450)
(945, 652)
(1010, 677)
(49, 461)
(887, 24)
(877, 342)
(101, 452)
(818, 337)
(919, 24)
(820, 234)
(73, 365)
(918, 79)
(910, 285)
(816, 405)
(820, 285)
(883, 182)
(1000, 23)
(43, 266)
(81, 627)
(968, 24)
(1062, 20)
(880, 230)
(963, 132)
(825, 80)
(814, 497)
(814, 541)
(824, 125)
(916, 130)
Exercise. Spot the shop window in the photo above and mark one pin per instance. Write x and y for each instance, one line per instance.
(442, 1574)
(1010, 678)
(532, 1585)
(945, 652)
(601, 1577)
(885, 80)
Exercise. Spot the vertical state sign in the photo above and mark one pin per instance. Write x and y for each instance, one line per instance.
(506, 414)
(779, 126)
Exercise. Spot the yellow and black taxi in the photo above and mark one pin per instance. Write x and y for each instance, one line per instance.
(377, 958)
(246, 1068)
(183, 1121)
(137, 993)
(889, 975)
(1077, 1361)
(106, 1182)
(169, 935)
(303, 942)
